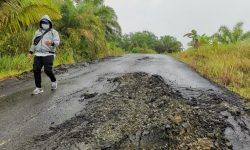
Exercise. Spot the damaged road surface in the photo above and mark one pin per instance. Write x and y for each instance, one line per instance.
(129, 102)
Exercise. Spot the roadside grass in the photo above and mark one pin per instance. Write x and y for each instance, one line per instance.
(63, 57)
(111, 52)
(227, 65)
(15, 65)
(10, 66)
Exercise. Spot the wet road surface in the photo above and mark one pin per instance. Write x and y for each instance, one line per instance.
(23, 117)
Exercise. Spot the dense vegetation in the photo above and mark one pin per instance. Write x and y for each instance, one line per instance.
(148, 42)
(223, 57)
(223, 36)
(88, 29)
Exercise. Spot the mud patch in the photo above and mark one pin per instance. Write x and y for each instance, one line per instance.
(145, 58)
(87, 96)
(143, 112)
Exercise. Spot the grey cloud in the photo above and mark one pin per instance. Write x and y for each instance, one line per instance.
(177, 17)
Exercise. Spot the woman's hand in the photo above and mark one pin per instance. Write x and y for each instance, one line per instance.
(49, 43)
(29, 56)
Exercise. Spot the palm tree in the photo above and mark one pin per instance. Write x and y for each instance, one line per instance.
(205, 40)
(195, 38)
(88, 24)
(199, 40)
(106, 14)
(226, 36)
(15, 14)
(84, 28)
(95, 2)
(168, 44)
(109, 19)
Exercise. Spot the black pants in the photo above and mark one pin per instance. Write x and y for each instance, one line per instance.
(47, 62)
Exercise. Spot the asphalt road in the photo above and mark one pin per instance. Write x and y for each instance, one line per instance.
(23, 116)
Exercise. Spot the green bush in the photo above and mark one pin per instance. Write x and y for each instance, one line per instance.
(16, 43)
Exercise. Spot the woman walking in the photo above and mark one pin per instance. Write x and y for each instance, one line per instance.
(44, 43)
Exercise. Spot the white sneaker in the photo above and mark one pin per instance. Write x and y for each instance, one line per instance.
(37, 91)
(54, 85)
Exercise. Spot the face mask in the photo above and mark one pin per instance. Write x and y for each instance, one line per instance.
(45, 26)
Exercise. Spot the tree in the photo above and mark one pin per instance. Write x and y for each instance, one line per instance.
(88, 38)
(205, 40)
(148, 41)
(199, 40)
(69, 13)
(194, 36)
(124, 42)
(15, 14)
(87, 27)
(109, 19)
(226, 36)
(143, 39)
(168, 44)
(106, 14)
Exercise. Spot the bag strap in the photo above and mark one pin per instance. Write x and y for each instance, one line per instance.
(45, 32)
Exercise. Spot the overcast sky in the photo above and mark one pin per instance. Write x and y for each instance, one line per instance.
(177, 17)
